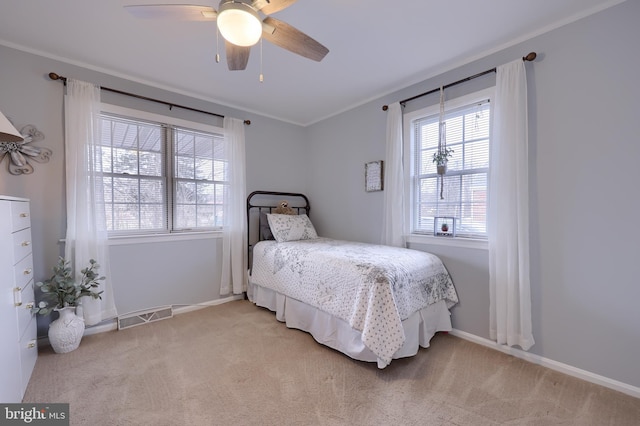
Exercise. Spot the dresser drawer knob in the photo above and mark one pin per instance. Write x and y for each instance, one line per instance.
(24, 214)
(17, 296)
(32, 344)
(28, 271)
(29, 305)
(26, 243)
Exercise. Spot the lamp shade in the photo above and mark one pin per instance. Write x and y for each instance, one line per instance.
(239, 23)
(8, 133)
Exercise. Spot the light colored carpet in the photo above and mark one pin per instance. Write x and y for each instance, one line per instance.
(234, 364)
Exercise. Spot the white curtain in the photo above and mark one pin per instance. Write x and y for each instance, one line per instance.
(393, 200)
(508, 223)
(234, 240)
(86, 236)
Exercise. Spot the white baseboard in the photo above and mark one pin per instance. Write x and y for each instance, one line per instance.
(188, 308)
(112, 324)
(103, 327)
(554, 365)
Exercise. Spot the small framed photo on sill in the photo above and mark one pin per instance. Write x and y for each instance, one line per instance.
(444, 226)
(373, 176)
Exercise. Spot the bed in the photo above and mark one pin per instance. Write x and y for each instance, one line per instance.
(374, 303)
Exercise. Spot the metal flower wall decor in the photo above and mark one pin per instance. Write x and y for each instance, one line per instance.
(21, 154)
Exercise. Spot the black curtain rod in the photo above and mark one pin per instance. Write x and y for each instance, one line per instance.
(54, 76)
(530, 57)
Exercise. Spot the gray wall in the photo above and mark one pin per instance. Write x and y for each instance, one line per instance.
(144, 275)
(584, 152)
(152, 274)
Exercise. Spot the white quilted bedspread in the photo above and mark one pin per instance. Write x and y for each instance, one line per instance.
(371, 287)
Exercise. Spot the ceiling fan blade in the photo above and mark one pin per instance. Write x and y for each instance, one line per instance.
(272, 6)
(293, 40)
(182, 12)
(237, 56)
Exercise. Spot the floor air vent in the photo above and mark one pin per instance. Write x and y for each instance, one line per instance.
(144, 317)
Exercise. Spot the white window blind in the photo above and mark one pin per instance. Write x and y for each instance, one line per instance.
(134, 178)
(465, 183)
(201, 176)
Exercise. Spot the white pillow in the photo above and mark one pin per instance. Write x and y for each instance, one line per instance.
(287, 227)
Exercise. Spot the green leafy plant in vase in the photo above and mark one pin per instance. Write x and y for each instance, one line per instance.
(62, 290)
(441, 157)
(63, 294)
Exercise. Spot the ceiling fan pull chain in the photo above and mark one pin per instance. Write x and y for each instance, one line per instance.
(261, 75)
(217, 47)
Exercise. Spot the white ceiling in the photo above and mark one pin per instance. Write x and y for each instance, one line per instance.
(376, 46)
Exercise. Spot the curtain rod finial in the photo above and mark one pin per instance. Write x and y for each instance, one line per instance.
(247, 122)
(385, 107)
(530, 57)
(54, 76)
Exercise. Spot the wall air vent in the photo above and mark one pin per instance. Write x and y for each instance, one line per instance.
(144, 317)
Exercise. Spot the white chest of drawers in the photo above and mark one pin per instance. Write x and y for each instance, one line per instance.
(18, 330)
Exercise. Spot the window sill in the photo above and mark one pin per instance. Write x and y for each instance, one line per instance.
(448, 241)
(118, 240)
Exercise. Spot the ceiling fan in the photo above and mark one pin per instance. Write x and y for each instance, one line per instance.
(241, 26)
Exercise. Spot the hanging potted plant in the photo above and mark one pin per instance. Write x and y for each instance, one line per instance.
(62, 293)
(441, 157)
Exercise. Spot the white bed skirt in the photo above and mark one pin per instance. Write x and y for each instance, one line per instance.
(335, 333)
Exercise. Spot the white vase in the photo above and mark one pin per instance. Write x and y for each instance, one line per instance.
(66, 332)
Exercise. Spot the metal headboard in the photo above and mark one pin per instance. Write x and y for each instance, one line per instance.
(266, 201)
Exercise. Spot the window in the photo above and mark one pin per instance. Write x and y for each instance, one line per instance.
(161, 177)
(465, 185)
(200, 179)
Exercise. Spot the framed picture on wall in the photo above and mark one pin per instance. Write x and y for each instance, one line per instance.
(373, 175)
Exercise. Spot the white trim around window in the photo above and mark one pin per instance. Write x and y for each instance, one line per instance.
(171, 228)
(409, 161)
(159, 118)
(469, 243)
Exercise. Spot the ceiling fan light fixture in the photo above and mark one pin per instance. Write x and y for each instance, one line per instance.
(239, 23)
